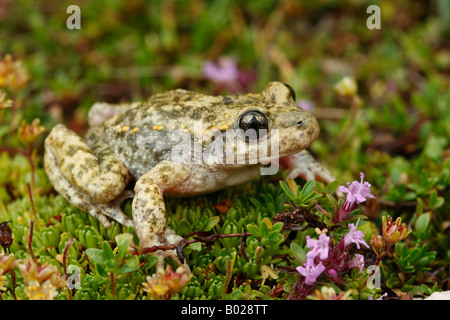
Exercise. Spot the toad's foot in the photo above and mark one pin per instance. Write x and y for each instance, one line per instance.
(303, 165)
(170, 238)
(149, 212)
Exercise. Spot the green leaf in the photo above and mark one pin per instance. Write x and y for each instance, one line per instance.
(332, 200)
(96, 255)
(123, 242)
(308, 188)
(107, 251)
(184, 227)
(286, 190)
(254, 230)
(211, 223)
(298, 253)
(398, 248)
(432, 199)
(101, 271)
(312, 197)
(273, 236)
(332, 187)
(264, 229)
(277, 227)
(197, 246)
(422, 222)
(131, 264)
(256, 203)
(413, 254)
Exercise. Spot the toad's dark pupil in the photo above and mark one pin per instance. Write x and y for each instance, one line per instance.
(253, 120)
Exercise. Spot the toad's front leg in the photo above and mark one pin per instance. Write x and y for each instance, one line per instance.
(149, 212)
(303, 165)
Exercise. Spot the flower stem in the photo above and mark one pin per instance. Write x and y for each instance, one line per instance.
(32, 202)
(13, 280)
(66, 249)
(380, 257)
(32, 167)
(113, 285)
(227, 279)
(30, 239)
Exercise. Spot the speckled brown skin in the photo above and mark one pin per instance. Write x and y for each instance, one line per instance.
(136, 142)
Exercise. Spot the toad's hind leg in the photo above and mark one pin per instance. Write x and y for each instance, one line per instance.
(86, 181)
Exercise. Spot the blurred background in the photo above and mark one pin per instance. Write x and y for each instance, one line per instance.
(128, 50)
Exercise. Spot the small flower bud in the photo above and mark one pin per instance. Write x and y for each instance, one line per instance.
(28, 134)
(377, 242)
(378, 245)
(346, 87)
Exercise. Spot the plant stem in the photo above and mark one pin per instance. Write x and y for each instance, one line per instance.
(32, 167)
(379, 258)
(227, 279)
(66, 249)
(113, 286)
(13, 280)
(209, 238)
(30, 239)
(32, 203)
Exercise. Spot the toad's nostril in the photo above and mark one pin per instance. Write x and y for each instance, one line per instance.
(299, 123)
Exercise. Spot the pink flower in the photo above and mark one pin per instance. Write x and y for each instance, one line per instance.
(224, 71)
(357, 192)
(380, 298)
(332, 272)
(354, 236)
(226, 74)
(305, 104)
(357, 262)
(310, 271)
(319, 247)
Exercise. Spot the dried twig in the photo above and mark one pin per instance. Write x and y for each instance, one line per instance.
(180, 245)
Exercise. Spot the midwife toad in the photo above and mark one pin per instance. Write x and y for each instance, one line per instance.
(128, 142)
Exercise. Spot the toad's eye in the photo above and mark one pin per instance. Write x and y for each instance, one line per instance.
(291, 91)
(254, 120)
